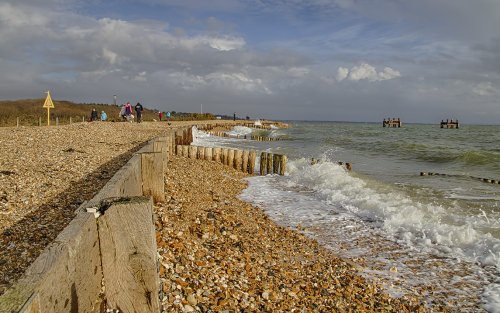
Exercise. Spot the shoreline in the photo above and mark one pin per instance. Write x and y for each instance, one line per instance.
(219, 253)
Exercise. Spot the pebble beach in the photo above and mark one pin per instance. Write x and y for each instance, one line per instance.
(217, 253)
(221, 254)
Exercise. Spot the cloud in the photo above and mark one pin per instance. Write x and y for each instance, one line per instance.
(365, 71)
(484, 89)
(342, 73)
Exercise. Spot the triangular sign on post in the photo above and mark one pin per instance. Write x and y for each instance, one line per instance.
(48, 102)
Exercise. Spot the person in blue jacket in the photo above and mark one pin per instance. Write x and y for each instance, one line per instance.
(104, 116)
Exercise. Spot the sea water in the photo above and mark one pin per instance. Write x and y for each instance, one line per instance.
(435, 236)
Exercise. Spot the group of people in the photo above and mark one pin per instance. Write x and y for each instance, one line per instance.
(94, 116)
(126, 113)
(167, 115)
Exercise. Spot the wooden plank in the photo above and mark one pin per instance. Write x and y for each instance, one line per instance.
(160, 145)
(153, 183)
(129, 263)
(66, 277)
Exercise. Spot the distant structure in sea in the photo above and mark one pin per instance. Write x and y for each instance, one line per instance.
(449, 123)
(392, 122)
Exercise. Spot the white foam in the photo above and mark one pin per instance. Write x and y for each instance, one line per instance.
(424, 224)
(240, 131)
(345, 210)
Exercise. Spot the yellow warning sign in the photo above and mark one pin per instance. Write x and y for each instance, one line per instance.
(48, 102)
(48, 105)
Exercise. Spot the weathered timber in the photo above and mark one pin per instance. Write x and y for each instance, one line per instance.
(127, 233)
(153, 183)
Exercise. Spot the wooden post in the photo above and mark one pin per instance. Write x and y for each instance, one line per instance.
(283, 165)
(276, 163)
(185, 151)
(185, 136)
(251, 161)
(269, 163)
(57, 120)
(153, 183)
(160, 145)
(192, 152)
(238, 159)
(208, 153)
(230, 158)
(178, 137)
(217, 155)
(39, 121)
(263, 163)
(18, 121)
(70, 120)
(179, 150)
(190, 135)
(224, 156)
(83, 119)
(244, 163)
(201, 153)
(127, 235)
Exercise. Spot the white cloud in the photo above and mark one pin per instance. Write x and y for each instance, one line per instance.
(342, 73)
(225, 43)
(484, 89)
(365, 71)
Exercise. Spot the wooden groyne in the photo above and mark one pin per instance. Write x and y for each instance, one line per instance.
(272, 163)
(486, 180)
(449, 123)
(241, 160)
(228, 126)
(346, 165)
(219, 133)
(392, 122)
(106, 258)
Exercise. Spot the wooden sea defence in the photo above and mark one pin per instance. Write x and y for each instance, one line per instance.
(449, 124)
(486, 180)
(219, 133)
(346, 165)
(242, 160)
(106, 258)
(249, 124)
(392, 122)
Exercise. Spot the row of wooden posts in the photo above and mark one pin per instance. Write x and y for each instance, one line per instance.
(264, 125)
(252, 137)
(486, 180)
(242, 160)
(18, 121)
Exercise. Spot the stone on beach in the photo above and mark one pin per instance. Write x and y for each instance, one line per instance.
(232, 257)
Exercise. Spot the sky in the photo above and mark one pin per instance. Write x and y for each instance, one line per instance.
(329, 60)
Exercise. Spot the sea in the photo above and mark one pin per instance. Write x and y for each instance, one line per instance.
(419, 213)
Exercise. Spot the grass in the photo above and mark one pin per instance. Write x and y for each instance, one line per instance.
(30, 112)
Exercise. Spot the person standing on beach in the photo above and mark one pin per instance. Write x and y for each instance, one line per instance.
(93, 115)
(138, 111)
(160, 114)
(104, 116)
(128, 109)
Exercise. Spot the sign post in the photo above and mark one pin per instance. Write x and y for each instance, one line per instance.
(48, 105)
